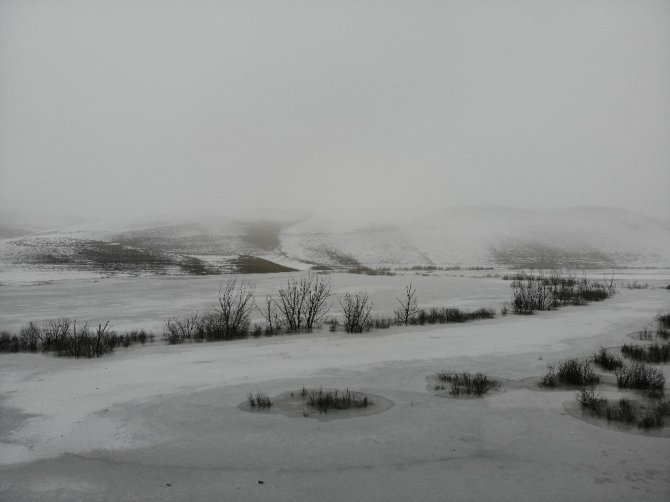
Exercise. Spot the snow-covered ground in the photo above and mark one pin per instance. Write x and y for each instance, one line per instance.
(163, 423)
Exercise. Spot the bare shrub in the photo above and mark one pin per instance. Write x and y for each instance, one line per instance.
(647, 415)
(408, 309)
(570, 372)
(325, 400)
(54, 332)
(623, 411)
(270, 313)
(606, 360)
(591, 400)
(9, 342)
(30, 336)
(655, 353)
(654, 415)
(234, 308)
(304, 303)
(468, 383)
(639, 376)
(259, 400)
(357, 312)
(451, 315)
(65, 338)
(538, 292)
(178, 330)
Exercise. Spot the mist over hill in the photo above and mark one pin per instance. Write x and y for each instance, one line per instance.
(573, 238)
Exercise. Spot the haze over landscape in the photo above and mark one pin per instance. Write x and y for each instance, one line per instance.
(128, 109)
(357, 250)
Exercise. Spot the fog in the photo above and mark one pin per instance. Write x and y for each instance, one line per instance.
(205, 107)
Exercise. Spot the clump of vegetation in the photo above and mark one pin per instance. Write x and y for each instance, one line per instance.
(570, 372)
(518, 276)
(655, 353)
(644, 334)
(178, 330)
(648, 415)
(324, 400)
(228, 320)
(451, 315)
(467, 383)
(65, 338)
(623, 411)
(640, 376)
(654, 416)
(408, 313)
(539, 292)
(382, 323)
(360, 269)
(426, 268)
(300, 307)
(606, 360)
(663, 321)
(636, 285)
(591, 400)
(321, 268)
(259, 400)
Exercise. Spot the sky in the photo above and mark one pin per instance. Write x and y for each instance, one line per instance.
(135, 108)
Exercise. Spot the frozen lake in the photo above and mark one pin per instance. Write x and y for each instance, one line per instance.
(145, 302)
(131, 303)
(126, 426)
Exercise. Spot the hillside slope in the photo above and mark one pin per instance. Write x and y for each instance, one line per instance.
(464, 237)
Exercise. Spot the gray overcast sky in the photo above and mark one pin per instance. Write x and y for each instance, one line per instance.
(122, 107)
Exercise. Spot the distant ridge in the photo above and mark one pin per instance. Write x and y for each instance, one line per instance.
(574, 238)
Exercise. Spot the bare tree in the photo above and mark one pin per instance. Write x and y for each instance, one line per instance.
(357, 312)
(317, 301)
(235, 305)
(408, 308)
(291, 304)
(304, 303)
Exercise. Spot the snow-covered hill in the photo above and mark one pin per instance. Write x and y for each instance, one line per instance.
(577, 237)
(465, 237)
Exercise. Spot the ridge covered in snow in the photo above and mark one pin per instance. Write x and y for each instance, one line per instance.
(464, 237)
